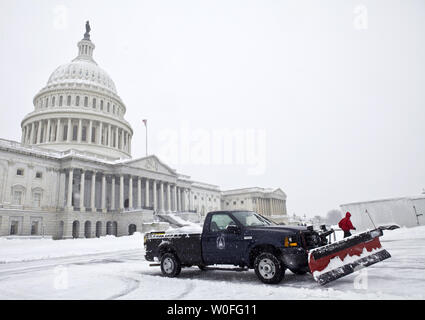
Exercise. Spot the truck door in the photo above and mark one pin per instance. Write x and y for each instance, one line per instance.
(218, 245)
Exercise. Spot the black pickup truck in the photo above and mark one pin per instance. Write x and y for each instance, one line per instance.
(240, 238)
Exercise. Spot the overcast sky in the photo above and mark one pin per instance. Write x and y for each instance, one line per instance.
(326, 99)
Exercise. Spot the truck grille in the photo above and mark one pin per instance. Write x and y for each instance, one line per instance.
(310, 239)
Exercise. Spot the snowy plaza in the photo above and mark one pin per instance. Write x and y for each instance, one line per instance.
(76, 269)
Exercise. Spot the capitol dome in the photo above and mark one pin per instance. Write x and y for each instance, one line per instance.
(79, 109)
(81, 71)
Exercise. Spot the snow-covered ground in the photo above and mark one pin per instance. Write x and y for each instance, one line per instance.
(114, 268)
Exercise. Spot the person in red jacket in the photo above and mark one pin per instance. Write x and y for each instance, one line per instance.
(346, 225)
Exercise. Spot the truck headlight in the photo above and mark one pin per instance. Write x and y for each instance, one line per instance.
(290, 242)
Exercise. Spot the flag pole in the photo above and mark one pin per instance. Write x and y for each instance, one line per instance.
(370, 219)
(145, 121)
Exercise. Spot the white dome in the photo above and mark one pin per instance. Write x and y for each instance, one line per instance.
(79, 109)
(82, 71)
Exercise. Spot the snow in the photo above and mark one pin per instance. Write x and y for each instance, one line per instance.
(188, 226)
(114, 268)
(26, 249)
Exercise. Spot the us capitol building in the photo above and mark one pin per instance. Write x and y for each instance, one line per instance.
(72, 175)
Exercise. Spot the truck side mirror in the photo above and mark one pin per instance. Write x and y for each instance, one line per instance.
(231, 228)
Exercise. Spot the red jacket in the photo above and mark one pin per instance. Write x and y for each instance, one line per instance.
(345, 224)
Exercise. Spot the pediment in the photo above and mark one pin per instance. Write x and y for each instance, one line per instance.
(279, 192)
(151, 163)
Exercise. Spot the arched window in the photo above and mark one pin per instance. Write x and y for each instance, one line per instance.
(37, 194)
(68, 101)
(86, 101)
(108, 107)
(74, 132)
(94, 103)
(60, 101)
(53, 101)
(77, 101)
(84, 134)
(93, 135)
(18, 194)
(47, 102)
(101, 105)
(65, 132)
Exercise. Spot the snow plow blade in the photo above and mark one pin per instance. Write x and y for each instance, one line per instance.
(346, 256)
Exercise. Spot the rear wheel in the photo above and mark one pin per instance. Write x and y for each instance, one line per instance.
(203, 268)
(269, 268)
(170, 265)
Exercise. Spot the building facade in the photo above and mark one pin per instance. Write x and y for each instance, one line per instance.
(403, 211)
(268, 202)
(72, 174)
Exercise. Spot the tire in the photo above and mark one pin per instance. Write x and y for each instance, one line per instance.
(170, 265)
(268, 268)
(202, 268)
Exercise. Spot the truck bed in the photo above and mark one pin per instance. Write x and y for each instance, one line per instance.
(186, 245)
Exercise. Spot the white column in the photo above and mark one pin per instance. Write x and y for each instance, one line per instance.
(68, 138)
(179, 201)
(175, 198)
(82, 184)
(129, 144)
(182, 201)
(130, 192)
(109, 135)
(113, 193)
(103, 201)
(147, 193)
(79, 132)
(89, 135)
(168, 197)
(139, 192)
(116, 137)
(155, 202)
(47, 135)
(39, 132)
(58, 126)
(161, 196)
(23, 135)
(69, 198)
(122, 139)
(93, 192)
(121, 192)
(100, 133)
(32, 133)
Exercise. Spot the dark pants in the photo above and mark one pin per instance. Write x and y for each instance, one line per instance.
(347, 234)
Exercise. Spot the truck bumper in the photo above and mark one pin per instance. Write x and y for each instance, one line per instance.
(295, 259)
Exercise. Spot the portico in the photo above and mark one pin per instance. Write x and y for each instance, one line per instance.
(97, 190)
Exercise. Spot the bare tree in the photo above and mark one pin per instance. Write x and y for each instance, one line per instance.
(333, 217)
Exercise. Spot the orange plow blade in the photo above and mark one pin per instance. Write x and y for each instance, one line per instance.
(346, 256)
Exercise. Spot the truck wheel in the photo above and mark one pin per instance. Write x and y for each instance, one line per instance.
(202, 268)
(170, 265)
(268, 268)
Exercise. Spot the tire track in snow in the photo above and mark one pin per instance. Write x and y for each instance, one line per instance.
(189, 287)
(131, 285)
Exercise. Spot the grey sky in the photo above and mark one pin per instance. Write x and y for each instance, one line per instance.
(337, 91)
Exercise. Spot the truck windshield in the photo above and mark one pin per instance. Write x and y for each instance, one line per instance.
(251, 219)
